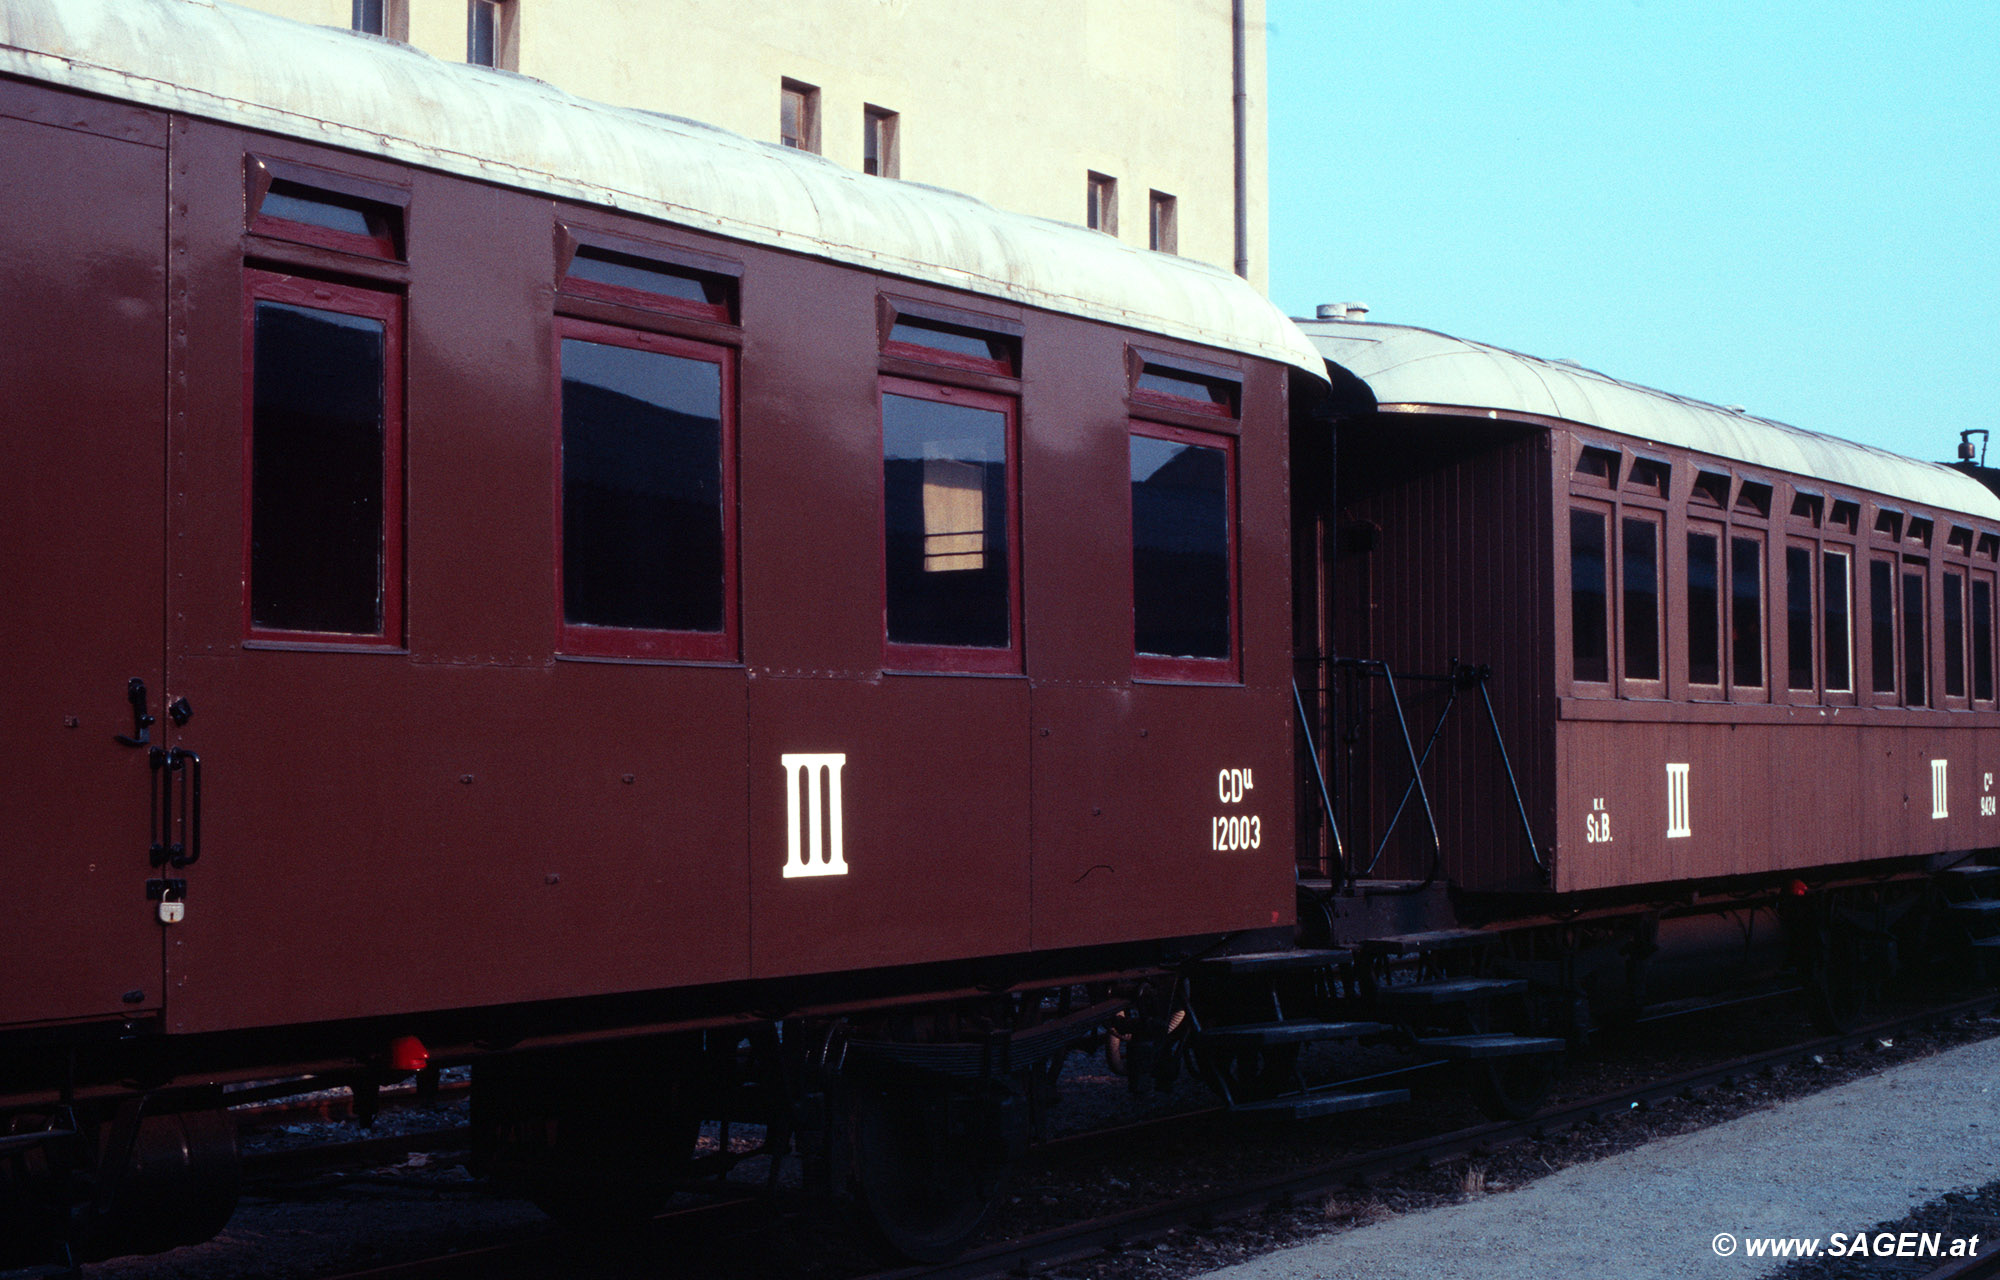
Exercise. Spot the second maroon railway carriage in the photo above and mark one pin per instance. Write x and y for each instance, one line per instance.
(498, 572)
(1733, 664)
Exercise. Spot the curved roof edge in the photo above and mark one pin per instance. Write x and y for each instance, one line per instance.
(365, 94)
(1406, 365)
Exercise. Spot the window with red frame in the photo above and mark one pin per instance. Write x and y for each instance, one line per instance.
(1183, 601)
(323, 536)
(951, 589)
(647, 525)
(1210, 390)
(308, 205)
(653, 283)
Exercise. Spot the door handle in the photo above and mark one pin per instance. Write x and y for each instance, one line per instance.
(142, 721)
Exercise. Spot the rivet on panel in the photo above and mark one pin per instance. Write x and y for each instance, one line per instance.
(628, 779)
(1045, 733)
(1144, 732)
(552, 878)
(466, 778)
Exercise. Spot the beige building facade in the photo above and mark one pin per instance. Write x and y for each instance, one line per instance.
(1143, 118)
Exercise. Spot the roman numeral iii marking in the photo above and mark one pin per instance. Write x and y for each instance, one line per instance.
(1679, 826)
(812, 828)
(1938, 808)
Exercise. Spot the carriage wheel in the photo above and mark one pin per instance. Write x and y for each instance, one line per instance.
(924, 1180)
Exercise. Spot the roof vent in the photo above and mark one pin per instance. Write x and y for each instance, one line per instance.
(1342, 311)
(1735, 408)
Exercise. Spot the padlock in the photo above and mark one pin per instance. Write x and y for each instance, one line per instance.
(171, 911)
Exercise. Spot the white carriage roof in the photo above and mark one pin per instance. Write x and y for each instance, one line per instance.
(1417, 367)
(385, 99)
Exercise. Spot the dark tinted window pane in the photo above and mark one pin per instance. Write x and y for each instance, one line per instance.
(1915, 656)
(1746, 612)
(316, 471)
(1954, 635)
(1704, 609)
(296, 202)
(1642, 599)
(1180, 549)
(1982, 639)
(955, 339)
(1587, 600)
(642, 489)
(1839, 677)
(944, 474)
(627, 272)
(1798, 618)
(1187, 386)
(1882, 624)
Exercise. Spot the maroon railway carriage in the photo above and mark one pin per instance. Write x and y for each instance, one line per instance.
(1728, 656)
(506, 571)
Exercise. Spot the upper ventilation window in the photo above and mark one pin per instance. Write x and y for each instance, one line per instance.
(1753, 498)
(1597, 466)
(1206, 389)
(310, 206)
(688, 285)
(1711, 489)
(1649, 475)
(981, 344)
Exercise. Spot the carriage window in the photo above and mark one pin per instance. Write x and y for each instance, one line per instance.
(1597, 465)
(1704, 570)
(646, 474)
(1589, 601)
(1753, 497)
(946, 504)
(288, 201)
(1920, 530)
(1798, 617)
(1181, 598)
(965, 346)
(1989, 546)
(1711, 489)
(1649, 474)
(325, 439)
(1914, 651)
(1954, 635)
(1960, 539)
(1889, 523)
(1641, 589)
(1846, 515)
(649, 282)
(1982, 639)
(1882, 624)
(1185, 389)
(1807, 506)
(1746, 613)
(1836, 626)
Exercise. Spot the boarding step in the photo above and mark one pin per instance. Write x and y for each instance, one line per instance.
(1987, 944)
(1251, 963)
(1306, 1106)
(1450, 991)
(1975, 906)
(1248, 1034)
(1477, 1048)
(1968, 871)
(1403, 944)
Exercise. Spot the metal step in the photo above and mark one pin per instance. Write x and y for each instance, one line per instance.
(1450, 991)
(1263, 1033)
(1987, 944)
(1970, 871)
(1257, 962)
(1403, 944)
(1472, 1048)
(1975, 906)
(1306, 1106)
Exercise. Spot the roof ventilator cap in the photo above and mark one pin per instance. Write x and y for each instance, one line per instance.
(1341, 311)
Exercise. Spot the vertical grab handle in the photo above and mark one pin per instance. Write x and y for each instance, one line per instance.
(167, 823)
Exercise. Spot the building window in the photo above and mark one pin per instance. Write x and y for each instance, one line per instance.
(798, 115)
(325, 493)
(369, 17)
(1640, 581)
(1746, 613)
(647, 521)
(1182, 603)
(951, 593)
(881, 154)
(1704, 574)
(486, 33)
(1589, 602)
(1101, 204)
(1162, 225)
(1838, 629)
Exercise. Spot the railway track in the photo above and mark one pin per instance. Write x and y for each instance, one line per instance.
(549, 1252)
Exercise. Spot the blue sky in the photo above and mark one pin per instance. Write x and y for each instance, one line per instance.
(1794, 207)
